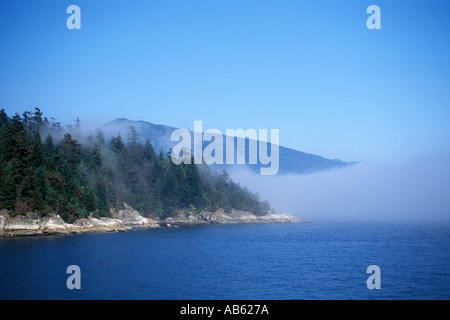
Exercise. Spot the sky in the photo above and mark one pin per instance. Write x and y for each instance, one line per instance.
(311, 69)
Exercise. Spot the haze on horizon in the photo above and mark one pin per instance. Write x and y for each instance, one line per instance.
(415, 191)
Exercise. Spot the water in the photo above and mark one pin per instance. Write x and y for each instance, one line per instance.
(270, 262)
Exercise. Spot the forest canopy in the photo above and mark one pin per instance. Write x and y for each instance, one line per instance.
(46, 167)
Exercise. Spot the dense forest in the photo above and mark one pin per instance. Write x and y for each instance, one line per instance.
(46, 167)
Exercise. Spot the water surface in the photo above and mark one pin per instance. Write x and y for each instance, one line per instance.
(292, 261)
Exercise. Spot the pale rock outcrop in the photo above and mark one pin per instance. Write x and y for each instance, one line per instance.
(32, 224)
(184, 218)
(236, 216)
(132, 218)
(24, 224)
(97, 225)
(127, 219)
(53, 224)
(279, 218)
(233, 217)
(3, 217)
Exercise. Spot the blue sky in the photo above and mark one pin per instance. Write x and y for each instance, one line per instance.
(309, 68)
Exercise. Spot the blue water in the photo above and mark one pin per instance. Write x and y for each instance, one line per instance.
(293, 261)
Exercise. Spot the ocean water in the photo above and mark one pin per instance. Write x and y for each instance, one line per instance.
(320, 260)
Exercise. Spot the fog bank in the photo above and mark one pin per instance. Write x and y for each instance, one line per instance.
(417, 190)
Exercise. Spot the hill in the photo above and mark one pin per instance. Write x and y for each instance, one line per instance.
(290, 160)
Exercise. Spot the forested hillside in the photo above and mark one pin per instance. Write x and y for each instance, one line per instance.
(46, 167)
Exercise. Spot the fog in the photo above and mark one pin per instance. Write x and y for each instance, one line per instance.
(417, 190)
(408, 191)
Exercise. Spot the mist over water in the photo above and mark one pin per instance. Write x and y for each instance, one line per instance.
(417, 190)
(406, 191)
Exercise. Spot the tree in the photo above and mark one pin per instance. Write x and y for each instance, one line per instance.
(16, 147)
(97, 181)
(149, 152)
(96, 158)
(3, 118)
(133, 136)
(100, 138)
(71, 151)
(193, 187)
(37, 119)
(8, 188)
(169, 193)
(117, 145)
(37, 155)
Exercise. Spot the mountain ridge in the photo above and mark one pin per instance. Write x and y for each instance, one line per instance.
(291, 161)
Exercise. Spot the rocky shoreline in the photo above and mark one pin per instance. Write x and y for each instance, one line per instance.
(125, 220)
(234, 217)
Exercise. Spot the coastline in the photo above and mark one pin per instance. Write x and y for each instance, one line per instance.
(126, 220)
(234, 217)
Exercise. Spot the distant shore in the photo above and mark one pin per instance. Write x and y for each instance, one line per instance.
(125, 220)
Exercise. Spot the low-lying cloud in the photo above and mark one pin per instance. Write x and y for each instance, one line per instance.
(414, 191)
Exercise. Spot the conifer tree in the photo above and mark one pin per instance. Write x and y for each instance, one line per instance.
(48, 149)
(71, 151)
(37, 155)
(169, 192)
(7, 192)
(193, 188)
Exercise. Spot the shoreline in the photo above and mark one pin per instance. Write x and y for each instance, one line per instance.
(125, 220)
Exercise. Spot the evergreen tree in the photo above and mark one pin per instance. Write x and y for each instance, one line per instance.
(100, 138)
(3, 118)
(149, 152)
(48, 149)
(117, 145)
(169, 192)
(17, 147)
(133, 137)
(71, 151)
(97, 173)
(37, 155)
(7, 188)
(193, 188)
(37, 121)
